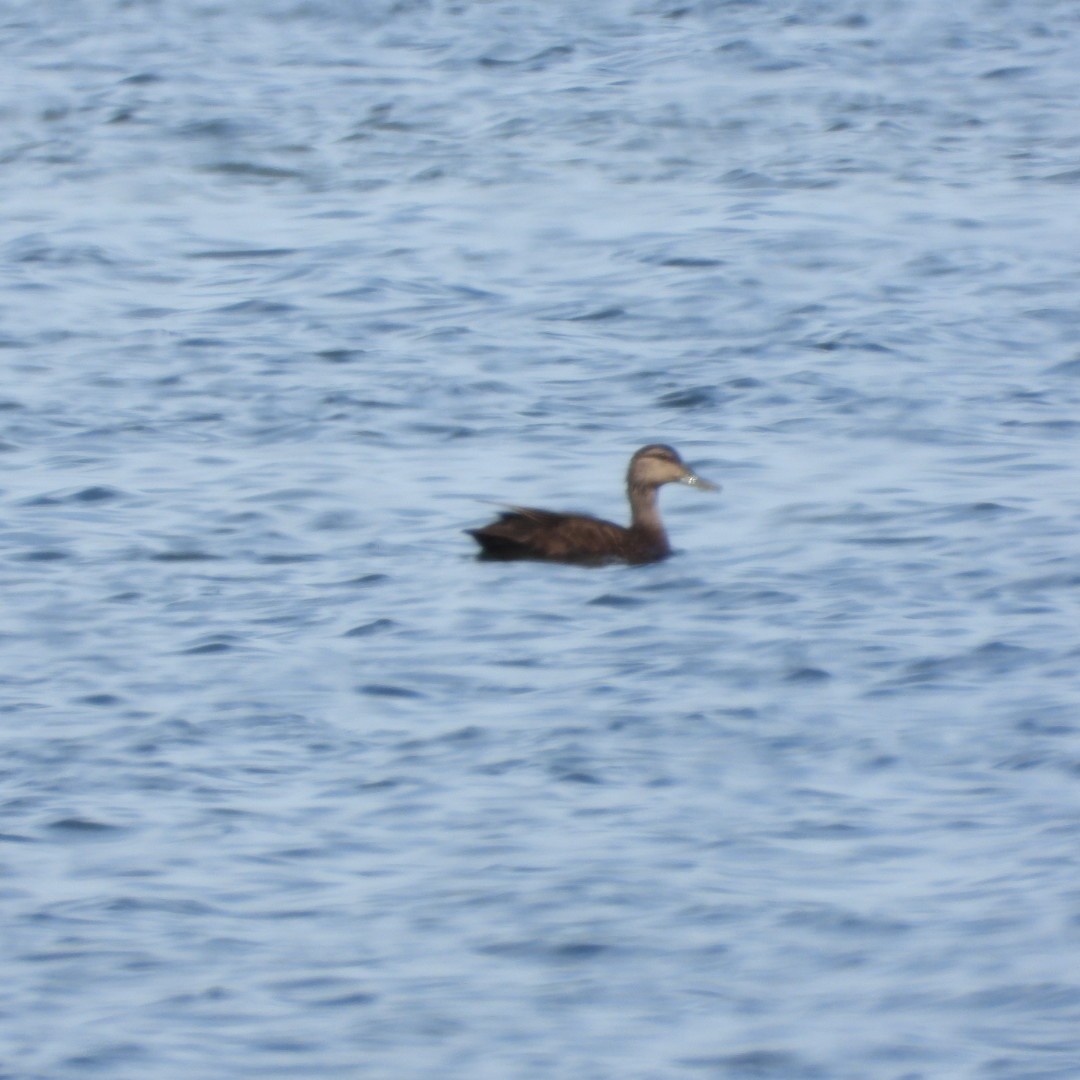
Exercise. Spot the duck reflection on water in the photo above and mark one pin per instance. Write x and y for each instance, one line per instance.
(525, 533)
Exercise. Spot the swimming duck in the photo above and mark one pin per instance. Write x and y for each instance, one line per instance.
(524, 533)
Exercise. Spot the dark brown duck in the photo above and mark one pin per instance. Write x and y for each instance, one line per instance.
(525, 533)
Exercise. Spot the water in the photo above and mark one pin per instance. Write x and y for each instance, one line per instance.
(293, 786)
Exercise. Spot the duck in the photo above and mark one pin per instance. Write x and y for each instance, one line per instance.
(522, 532)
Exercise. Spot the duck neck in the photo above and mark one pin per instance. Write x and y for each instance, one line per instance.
(645, 512)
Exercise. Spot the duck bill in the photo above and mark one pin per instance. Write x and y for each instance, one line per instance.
(691, 479)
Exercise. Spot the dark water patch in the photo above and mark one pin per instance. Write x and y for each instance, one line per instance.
(183, 906)
(284, 1044)
(602, 314)
(101, 700)
(183, 556)
(1052, 722)
(203, 343)
(742, 714)
(389, 690)
(578, 951)
(747, 596)
(1046, 582)
(889, 541)
(846, 341)
(473, 292)
(43, 555)
(991, 659)
(846, 923)
(1068, 176)
(334, 521)
(82, 826)
(341, 356)
(971, 512)
(360, 292)
(697, 397)
(110, 1055)
(1048, 996)
(690, 262)
(747, 179)
(37, 249)
(250, 170)
(390, 327)
(217, 127)
(1061, 316)
(998, 657)
(287, 914)
(322, 992)
(808, 829)
(982, 510)
(546, 951)
(539, 61)
(376, 626)
(1024, 762)
(1068, 367)
(762, 1064)
(807, 675)
(228, 254)
(95, 494)
(519, 661)
(211, 646)
(444, 431)
(341, 398)
(368, 580)
(201, 418)
(468, 735)
(574, 774)
(388, 783)
(346, 1001)
(616, 600)
(1014, 72)
(257, 308)
(1059, 426)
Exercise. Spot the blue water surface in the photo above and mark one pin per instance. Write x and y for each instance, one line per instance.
(291, 291)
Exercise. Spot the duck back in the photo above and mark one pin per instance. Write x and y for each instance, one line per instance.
(527, 533)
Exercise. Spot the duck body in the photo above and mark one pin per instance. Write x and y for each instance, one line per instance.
(526, 533)
(523, 532)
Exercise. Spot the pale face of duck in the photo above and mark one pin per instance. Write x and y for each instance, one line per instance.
(654, 465)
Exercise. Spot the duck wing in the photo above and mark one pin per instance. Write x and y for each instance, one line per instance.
(523, 532)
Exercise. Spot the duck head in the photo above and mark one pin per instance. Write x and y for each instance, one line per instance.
(658, 464)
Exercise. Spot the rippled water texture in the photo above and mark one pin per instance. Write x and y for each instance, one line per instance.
(294, 786)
